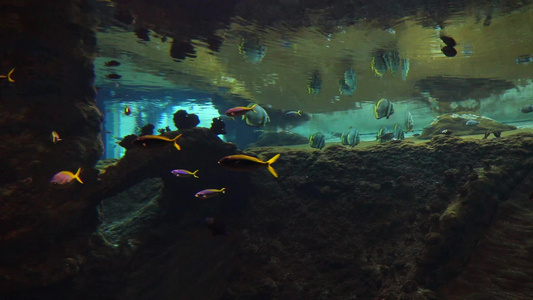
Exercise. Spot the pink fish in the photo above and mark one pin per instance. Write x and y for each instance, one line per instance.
(65, 177)
(239, 111)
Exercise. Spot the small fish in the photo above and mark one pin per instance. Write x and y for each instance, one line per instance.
(348, 84)
(239, 111)
(216, 225)
(251, 50)
(150, 141)
(399, 133)
(184, 173)
(471, 123)
(259, 119)
(384, 135)
(404, 67)
(112, 63)
(65, 177)
(294, 113)
(350, 137)
(127, 110)
(113, 76)
(523, 60)
(55, 137)
(241, 162)
(209, 193)
(314, 83)
(383, 108)
(409, 123)
(527, 109)
(8, 76)
(317, 140)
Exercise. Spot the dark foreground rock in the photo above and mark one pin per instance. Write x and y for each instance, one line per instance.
(390, 221)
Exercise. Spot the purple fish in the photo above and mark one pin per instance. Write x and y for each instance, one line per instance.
(65, 177)
(184, 173)
(210, 193)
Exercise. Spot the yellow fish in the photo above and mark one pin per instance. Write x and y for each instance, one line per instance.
(155, 140)
(241, 162)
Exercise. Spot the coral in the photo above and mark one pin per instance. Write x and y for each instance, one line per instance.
(218, 126)
(270, 138)
(183, 120)
(147, 129)
(127, 141)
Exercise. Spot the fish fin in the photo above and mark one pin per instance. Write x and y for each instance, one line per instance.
(194, 174)
(269, 167)
(376, 112)
(9, 75)
(243, 117)
(77, 175)
(223, 190)
(174, 140)
(271, 161)
(299, 112)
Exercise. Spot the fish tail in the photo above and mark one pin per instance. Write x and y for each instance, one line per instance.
(271, 161)
(376, 112)
(223, 190)
(252, 108)
(9, 75)
(194, 174)
(175, 143)
(243, 117)
(77, 175)
(299, 112)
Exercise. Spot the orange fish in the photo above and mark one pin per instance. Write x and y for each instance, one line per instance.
(127, 111)
(8, 76)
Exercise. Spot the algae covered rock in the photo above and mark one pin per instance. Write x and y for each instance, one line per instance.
(463, 123)
(279, 139)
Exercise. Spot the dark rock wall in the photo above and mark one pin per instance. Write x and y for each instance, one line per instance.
(391, 221)
(51, 45)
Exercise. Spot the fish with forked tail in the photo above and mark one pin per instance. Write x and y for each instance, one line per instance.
(8, 76)
(184, 173)
(65, 177)
(241, 162)
(239, 111)
(209, 193)
(149, 141)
